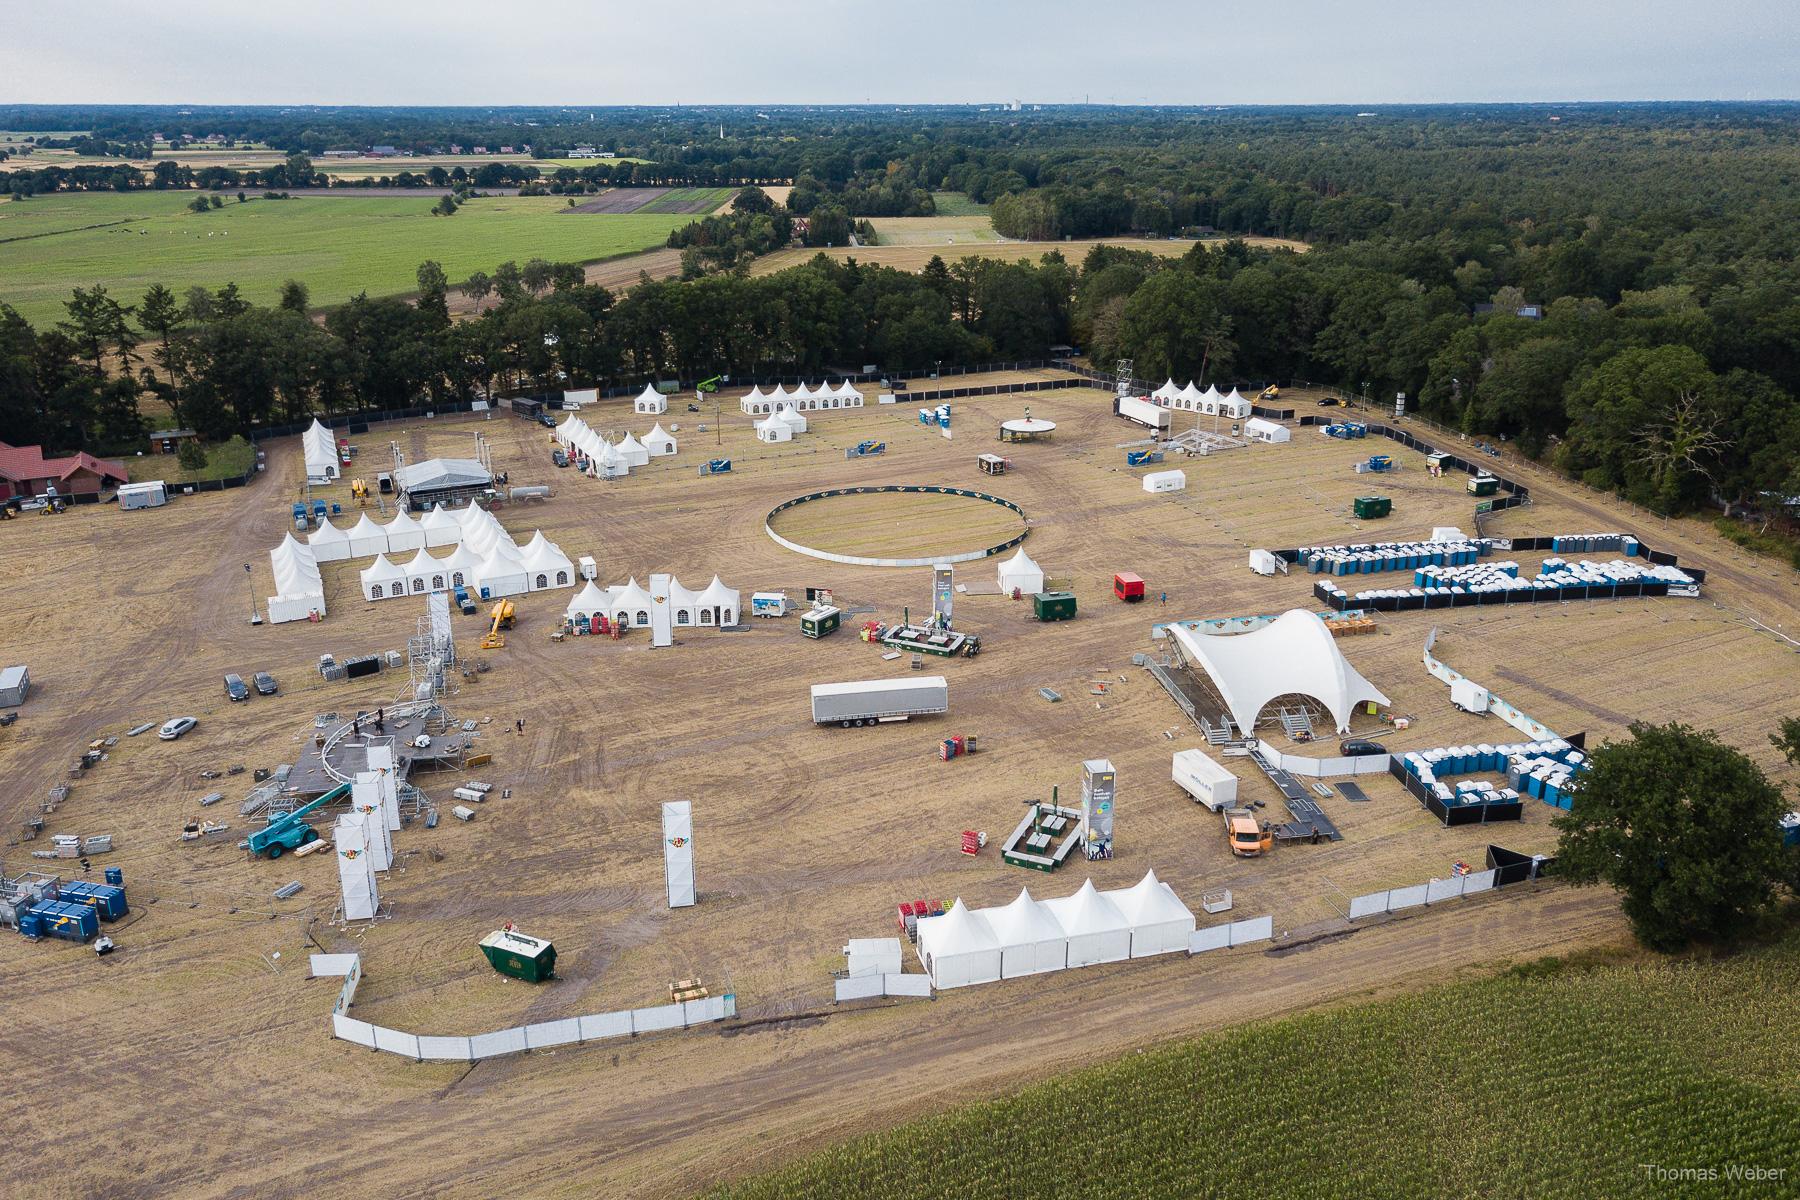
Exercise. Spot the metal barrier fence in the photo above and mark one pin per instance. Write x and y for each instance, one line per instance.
(866, 987)
(1435, 892)
(1238, 933)
(540, 1036)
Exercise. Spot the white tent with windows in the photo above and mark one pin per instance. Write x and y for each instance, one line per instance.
(718, 604)
(502, 573)
(779, 397)
(1160, 922)
(463, 567)
(1294, 654)
(367, 538)
(425, 573)
(1234, 405)
(329, 543)
(1259, 430)
(1021, 573)
(658, 443)
(630, 605)
(404, 532)
(1097, 931)
(773, 429)
(383, 579)
(1031, 942)
(565, 432)
(754, 403)
(608, 463)
(1167, 392)
(588, 601)
(546, 565)
(684, 603)
(321, 453)
(848, 396)
(958, 948)
(792, 418)
(650, 401)
(1192, 398)
(633, 452)
(440, 527)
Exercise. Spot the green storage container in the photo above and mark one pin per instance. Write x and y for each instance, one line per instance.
(1484, 485)
(820, 621)
(513, 953)
(1053, 606)
(1370, 508)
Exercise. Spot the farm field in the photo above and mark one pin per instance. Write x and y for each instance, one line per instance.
(934, 231)
(675, 201)
(1549, 1081)
(256, 158)
(337, 246)
(938, 237)
(804, 836)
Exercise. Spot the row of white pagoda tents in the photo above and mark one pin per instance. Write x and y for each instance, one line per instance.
(760, 403)
(299, 591)
(607, 460)
(1211, 402)
(493, 566)
(1028, 937)
(438, 528)
(630, 604)
(1021, 574)
(321, 452)
(780, 426)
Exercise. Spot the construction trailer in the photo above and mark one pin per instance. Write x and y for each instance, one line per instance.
(15, 685)
(1203, 779)
(1053, 606)
(1140, 411)
(878, 701)
(818, 622)
(522, 957)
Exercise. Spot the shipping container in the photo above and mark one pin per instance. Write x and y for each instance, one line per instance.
(1053, 606)
(866, 702)
(1372, 508)
(1143, 412)
(1203, 779)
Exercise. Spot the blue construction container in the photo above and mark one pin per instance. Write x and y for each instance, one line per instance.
(30, 924)
(76, 922)
(115, 876)
(105, 899)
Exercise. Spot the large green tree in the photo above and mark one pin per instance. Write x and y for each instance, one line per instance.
(1684, 827)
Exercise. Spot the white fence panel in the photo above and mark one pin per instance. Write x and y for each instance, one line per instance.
(650, 1020)
(332, 966)
(545, 1034)
(1369, 905)
(859, 987)
(352, 1030)
(907, 985)
(1259, 930)
(605, 1025)
(1216, 937)
(395, 1042)
(444, 1049)
(491, 1045)
(1439, 890)
(1480, 881)
(1373, 764)
(1406, 897)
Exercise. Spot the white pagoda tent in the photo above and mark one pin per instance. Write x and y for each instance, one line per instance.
(1167, 392)
(958, 948)
(848, 396)
(773, 429)
(650, 401)
(1021, 573)
(1191, 398)
(404, 532)
(321, 453)
(683, 601)
(630, 605)
(633, 451)
(546, 565)
(1031, 942)
(329, 543)
(718, 604)
(1234, 405)
(1098, 932)
(440, 527)
(502, 573)
(588, 601)
(463, 567)
(1160, 922)
(425, 573)
(658, 443)
(382, 579)
(367, 538)
(754, 403)
(299, 591)
(792, 418)
(607, 462)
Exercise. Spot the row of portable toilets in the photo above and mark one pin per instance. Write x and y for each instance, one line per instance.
(1543, 770)
(73, 909)
(1390, 556)
(1446, 587)
(1556, 573)
(1595, 543)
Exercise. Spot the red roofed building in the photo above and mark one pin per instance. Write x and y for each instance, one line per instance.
(24, 471)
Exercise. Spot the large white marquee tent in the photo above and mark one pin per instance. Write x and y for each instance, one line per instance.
(321, 453)
(299, 591)
(1294, 654)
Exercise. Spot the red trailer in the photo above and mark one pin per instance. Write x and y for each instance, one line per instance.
(1128, 586)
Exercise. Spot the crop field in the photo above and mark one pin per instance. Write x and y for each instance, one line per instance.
(337, 246)
(1544, 1083)
(672, 201)
(804, 837)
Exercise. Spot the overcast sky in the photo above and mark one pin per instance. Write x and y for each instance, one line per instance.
(922, 51)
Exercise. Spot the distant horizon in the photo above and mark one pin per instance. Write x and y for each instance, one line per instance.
(857, 53)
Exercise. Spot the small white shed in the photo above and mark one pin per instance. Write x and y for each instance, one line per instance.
(1259, 430)
(1262, 562)
(1166, 481)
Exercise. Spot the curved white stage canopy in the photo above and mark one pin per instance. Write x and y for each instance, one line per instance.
(1294, 654)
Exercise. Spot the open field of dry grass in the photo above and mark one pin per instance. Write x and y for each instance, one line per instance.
(899, 525)
(209, 1052)
(922, 245)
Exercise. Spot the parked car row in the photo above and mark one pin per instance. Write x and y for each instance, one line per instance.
(236, 689)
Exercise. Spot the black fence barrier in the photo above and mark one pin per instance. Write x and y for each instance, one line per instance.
(1509, 866)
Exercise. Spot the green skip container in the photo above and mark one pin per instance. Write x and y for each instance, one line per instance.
(1053, 606)
(1370, 508)
(512, 953)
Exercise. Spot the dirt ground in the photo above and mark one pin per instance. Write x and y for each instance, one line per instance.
(898, 525)
(212, 1059)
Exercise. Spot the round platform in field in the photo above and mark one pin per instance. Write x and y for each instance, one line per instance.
(897, 525)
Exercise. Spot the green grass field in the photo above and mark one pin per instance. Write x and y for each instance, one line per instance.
(336, 245)
(955, 204)
(227, 460)
(687, 199)
(1548, 1081)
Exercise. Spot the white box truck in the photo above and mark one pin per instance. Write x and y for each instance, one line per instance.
(1205, 780)
(872, 701)
(1144, 412)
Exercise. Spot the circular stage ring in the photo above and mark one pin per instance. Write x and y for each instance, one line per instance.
(858, 561)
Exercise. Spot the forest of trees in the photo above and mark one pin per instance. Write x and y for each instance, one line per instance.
(1614, 288)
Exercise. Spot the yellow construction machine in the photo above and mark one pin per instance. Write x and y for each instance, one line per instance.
(359, 488)
(502, 618)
